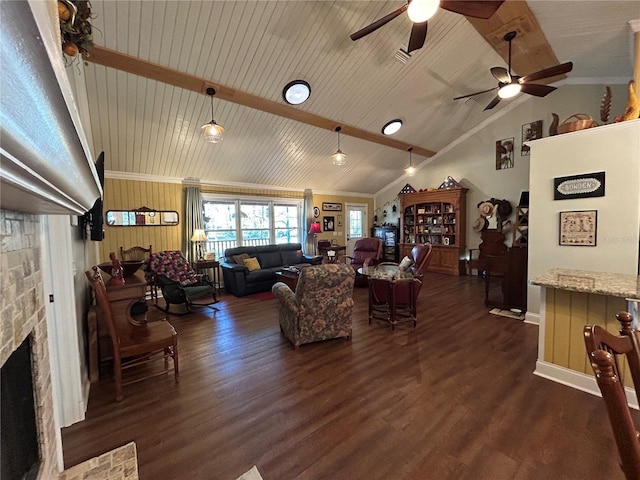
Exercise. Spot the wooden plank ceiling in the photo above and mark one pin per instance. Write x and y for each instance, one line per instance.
(250, 49)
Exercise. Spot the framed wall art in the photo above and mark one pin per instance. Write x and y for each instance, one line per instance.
(530, 131)
(504, 153)
(331, 207)
(328, 224)
(339, 220)
(579, 228)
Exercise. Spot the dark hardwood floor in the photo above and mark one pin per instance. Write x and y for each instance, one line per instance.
(453, 399)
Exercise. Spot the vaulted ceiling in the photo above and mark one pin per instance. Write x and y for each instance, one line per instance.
(153, 59)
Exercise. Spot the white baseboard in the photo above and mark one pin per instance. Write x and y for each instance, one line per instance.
(578, 380)
(532, 318)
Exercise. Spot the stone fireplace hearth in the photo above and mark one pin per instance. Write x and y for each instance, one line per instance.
(22, 315)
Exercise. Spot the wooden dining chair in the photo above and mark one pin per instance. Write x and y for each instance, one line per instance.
(135, 344)
(135, 253)
(603, 349)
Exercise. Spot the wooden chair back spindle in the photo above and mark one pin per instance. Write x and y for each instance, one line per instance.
(603, 348)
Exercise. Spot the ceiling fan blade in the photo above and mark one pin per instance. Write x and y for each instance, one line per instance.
(493, 103)
(418, 36)
(477, 93)
(377, 24)
(548, 72)
(476, 9)
(536, 89)
(501, 74)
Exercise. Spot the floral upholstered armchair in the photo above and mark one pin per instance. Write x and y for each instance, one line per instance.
(179, 282)
(321, 306)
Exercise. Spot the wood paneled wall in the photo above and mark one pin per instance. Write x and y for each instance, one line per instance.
(132, 194)
(566, 314)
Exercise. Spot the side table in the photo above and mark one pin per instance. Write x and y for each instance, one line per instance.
(200, 265)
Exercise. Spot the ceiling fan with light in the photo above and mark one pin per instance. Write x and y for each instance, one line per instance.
(419, 11)
(510, 85)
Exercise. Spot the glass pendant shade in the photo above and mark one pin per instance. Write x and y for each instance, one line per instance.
(339, 157)
(422, 10)
(212, 132)
(410, 170)
(509, 90)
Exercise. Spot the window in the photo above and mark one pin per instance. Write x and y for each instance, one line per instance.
(355, 223)
(232, 223)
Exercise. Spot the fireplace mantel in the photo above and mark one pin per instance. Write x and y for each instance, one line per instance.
(46, 165)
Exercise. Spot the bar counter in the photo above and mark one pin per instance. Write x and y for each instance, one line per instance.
(569, 300)
(614, 284)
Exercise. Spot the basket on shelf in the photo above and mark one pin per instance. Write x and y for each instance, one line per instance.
(581, 121)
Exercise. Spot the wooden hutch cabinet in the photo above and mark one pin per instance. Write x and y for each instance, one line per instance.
(436, 217)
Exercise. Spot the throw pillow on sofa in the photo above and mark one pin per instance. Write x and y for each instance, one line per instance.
(239, 259)
(252, 264)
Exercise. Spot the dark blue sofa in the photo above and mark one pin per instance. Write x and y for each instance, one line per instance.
(240, 281)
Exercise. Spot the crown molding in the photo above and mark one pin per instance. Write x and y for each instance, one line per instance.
(141, 177)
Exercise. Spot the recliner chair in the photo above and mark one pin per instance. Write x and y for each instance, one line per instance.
(366, 250)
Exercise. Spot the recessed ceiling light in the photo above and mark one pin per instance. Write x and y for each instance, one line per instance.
(296, 92)
(392, 127)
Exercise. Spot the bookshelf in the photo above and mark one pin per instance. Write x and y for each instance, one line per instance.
(437, 217)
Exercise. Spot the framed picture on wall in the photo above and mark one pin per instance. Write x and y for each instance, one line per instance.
(504, 153)
(328, 224)
(530, 131)
(339, 220)
(579, 228)
(331, 207)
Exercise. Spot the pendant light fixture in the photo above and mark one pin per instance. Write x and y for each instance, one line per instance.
(410, 170)
(212, 131)
(339, 157)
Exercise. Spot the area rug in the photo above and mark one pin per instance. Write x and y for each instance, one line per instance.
(252, 474)
(263, 296)
(507, 313)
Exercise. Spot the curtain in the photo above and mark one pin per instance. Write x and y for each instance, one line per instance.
(308, 240)
(192, 221)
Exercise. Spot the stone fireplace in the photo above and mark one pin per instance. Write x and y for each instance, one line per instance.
(22, 316)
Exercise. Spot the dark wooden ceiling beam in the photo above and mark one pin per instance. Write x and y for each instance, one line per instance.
(127, 63)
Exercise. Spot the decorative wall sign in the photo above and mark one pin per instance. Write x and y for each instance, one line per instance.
(504, 154)
(339, 220)
(579, 228)
(331, 207)
(328, 224)
(530, 131)
(579, 186)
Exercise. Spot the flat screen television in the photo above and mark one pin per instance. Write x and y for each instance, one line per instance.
(93, 220)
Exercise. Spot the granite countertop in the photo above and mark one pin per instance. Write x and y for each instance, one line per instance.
(614, 284)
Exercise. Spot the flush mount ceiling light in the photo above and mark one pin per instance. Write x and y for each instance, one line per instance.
(212, 131)
(410, 170)
(509, 90)
(296, 92)
(392, 127)
(422, 10)
(339, 157)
